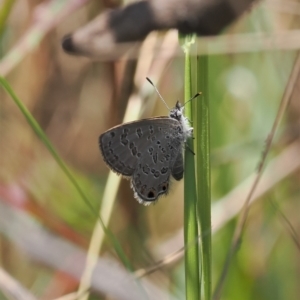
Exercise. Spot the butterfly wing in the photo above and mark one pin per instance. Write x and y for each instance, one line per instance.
(159, 159)
(122, 146)
(148, 151)
(177, 168)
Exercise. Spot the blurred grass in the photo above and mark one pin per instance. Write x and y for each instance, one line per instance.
(75, 102)
(67, 172)
(5, 10)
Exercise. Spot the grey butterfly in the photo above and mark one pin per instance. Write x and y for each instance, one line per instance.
(148, 152)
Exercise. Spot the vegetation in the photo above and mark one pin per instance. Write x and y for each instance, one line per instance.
(55, 187)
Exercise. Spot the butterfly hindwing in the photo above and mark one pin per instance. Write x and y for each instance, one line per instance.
(177, 168)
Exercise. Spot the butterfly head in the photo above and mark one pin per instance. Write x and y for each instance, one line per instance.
(176, 112)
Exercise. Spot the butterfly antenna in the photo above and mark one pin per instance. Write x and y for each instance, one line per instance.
(198, 94)
(160, 96)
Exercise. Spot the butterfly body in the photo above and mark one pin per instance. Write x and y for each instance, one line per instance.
(149, 152)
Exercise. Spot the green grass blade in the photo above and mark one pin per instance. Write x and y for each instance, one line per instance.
(192, 265)
(202, 150)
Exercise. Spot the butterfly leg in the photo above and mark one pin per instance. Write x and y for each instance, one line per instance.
(187, 147)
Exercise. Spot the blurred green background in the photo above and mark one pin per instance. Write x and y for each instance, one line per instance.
(75, 99)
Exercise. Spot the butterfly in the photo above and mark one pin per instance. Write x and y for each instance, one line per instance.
(148, 152)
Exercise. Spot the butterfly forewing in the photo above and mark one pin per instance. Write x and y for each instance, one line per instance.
(116, 152)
